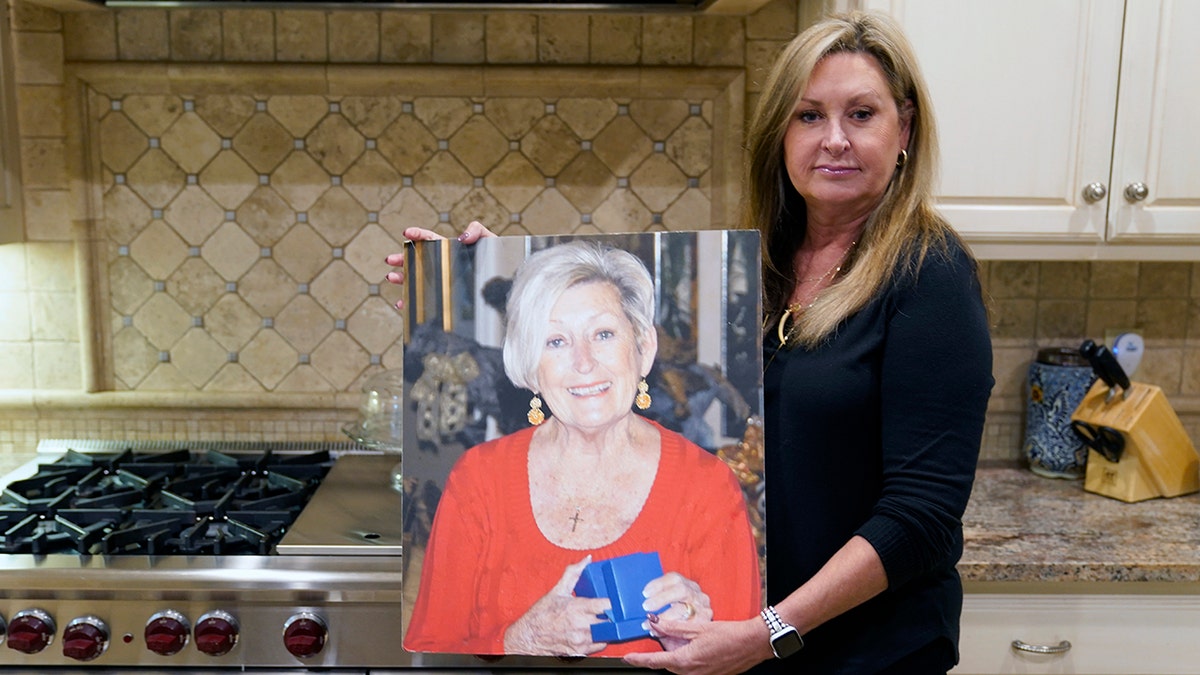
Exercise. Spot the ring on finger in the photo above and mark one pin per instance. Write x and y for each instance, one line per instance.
(688, 611)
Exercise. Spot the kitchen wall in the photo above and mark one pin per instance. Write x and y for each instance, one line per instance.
(208, 195)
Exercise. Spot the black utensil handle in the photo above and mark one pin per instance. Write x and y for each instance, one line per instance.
(1112, 367)
(1089, 351)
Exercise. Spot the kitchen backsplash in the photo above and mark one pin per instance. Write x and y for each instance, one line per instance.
(208, 196)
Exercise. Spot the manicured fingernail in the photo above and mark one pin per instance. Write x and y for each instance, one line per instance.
(652, 617)
(462, 237)
(645, 625)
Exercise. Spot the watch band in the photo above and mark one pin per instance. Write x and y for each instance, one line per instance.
(773, 620)
(785, 639)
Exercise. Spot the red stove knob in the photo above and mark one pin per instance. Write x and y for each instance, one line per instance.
(216, 633)
(85, 638)
(167, 632)
(304, 635)
(30, 631)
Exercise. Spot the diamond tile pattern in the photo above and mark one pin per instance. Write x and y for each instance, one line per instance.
(245, 233)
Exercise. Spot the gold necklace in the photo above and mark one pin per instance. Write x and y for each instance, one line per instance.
(796, 308)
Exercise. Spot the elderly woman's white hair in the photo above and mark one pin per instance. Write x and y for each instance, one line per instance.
(546, 275)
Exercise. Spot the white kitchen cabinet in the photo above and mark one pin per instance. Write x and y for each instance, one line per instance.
(1107, 634)
(1037, 100)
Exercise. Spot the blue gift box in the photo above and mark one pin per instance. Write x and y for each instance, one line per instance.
(621, 580)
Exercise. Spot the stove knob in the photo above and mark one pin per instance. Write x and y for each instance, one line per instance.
(85, 638)
(304, 635)
(216, 633)
(167, 632)
(30, 631)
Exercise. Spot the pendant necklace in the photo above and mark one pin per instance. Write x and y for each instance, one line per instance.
(796, 308)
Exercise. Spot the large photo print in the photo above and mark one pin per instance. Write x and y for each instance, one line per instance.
(582, 441)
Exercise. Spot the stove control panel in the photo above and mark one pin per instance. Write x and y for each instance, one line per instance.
(216, 633)
(167, 632)
(304, 635)
(30, 631)
(85, 638)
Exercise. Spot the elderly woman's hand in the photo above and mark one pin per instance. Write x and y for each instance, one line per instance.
(687, 603)
(559, 624)
(474, 232)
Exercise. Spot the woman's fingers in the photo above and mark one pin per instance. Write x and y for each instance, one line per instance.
(685, 598)
(474, 232)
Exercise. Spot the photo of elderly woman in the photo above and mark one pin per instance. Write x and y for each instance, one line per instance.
(572, 535)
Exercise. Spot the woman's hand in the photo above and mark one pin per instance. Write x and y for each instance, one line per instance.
(709, 648)
(559, 624)
(685, 599)
(474, 232)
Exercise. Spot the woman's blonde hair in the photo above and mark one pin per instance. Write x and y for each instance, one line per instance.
(905, 225)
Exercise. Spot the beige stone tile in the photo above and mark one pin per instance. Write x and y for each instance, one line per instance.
(232, 377)
(300, 181)
(370, 115)
(335, 144)
(1164, 279)
(268, 357)
(267, 287)
(1162, 365)
(129, 285)
(1061, 319)
(304, 378)
(621, 212)
(1064, 279)
(514, 116)
(1013, 279)
(38, 58)
(690, 146)
(586, 116)
(196, 286)
(1014, 318)
(550, 213)
(48, 215)
(50, 266)
(142, 35)
(657, 182)
(622, 146)
(230, 251)
(407, 145)
(339, 289)
(550, 145)
(191, 143)
(776, 20)
(194, 215)
(339, 359)
(586, 182)
(405, 38)
(366, 252)
(692, 211)
(125, 214)
(232, 322)
(1114, 279)
(27, 16)
(1189, 380)
(225, 113)
(407, 209)
(563, 38)
(195, 35)
(478, 145)
(57, 365)
(198, 357)
(13, 269)
(40, 110)
(666, 40)
(443, 116)
(121, 142)
(301, 36)
(1010, 367)
(156, 178)
(760, 56)
(1103, 315)
(1162, 318)
(16, 365)
(302, 253)
(372, 181)
(248, 35)
(265, 216)
(17, 323)
(354, 37)
(263, 143)
(442, 181)
(478, 204)
(720, 41)
(514, 182)
(511, 38)
(458, 38)
(152, 113)
(376, 325)
(165, 377)
(228, 179)
(616, 39)
(90, 36)
(43, 163)
(337, 217)
(303, 323)
(158, 250)
(162, 321)
(658, 117)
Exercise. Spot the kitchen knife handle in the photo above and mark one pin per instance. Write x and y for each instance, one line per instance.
(1112, 367)
(1089, 351)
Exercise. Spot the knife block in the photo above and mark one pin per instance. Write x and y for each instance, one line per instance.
(1159, 459)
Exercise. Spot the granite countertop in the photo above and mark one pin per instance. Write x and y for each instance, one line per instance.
(1021, 527)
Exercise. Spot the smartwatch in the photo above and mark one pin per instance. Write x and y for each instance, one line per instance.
(785, 639)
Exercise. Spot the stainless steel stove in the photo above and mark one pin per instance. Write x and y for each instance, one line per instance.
(201, 556)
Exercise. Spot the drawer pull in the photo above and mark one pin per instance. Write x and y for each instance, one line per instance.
(1060, 648)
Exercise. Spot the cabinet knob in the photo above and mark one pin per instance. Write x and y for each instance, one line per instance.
(1060, 648)
(1094, 192)
(1136, 192)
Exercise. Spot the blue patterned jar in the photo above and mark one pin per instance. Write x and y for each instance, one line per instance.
(1058, 381)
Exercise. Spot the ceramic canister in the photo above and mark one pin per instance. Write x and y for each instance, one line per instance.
(1058, 381)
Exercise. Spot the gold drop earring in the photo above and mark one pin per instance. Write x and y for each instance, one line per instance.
(535, 416)
(642, 400)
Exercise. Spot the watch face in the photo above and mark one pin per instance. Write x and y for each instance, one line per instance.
(786, 642)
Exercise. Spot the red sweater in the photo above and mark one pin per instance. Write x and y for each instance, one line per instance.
(487, 563)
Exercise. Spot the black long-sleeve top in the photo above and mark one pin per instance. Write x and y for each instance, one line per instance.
(877, 433)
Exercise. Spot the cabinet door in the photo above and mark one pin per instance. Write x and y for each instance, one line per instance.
(1024, 92)
(1158, 141)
